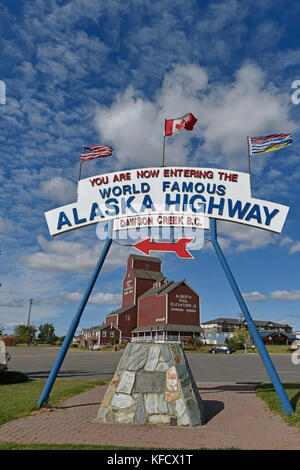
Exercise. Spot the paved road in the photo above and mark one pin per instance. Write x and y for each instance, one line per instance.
(37, 363)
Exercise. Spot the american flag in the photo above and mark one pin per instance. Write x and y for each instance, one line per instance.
(269, 143)
(95, 151)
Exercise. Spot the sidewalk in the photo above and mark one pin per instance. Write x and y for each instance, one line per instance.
(236, 418)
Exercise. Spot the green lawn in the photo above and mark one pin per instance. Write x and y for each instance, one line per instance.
(267, 393)
(16, 446)
(19, 399)
(19, 396)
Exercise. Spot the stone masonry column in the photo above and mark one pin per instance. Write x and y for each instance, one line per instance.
(153, 385)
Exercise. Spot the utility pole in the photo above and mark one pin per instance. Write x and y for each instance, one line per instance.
(30, 304)
(241, 317)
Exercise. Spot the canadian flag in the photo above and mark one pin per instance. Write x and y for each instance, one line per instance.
(173, 126)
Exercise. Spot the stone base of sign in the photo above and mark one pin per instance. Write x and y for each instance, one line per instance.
(153, 385)
(4, 356)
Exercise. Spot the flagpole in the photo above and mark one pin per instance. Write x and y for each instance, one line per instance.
(249, 155)
(79, 176)
(163, 164)
(164, 146)
(80, 170)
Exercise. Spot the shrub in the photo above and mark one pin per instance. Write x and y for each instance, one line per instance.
(12, 340)
(8, 340)
(12, 377)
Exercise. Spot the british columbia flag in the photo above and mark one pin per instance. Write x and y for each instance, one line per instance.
(269, 143)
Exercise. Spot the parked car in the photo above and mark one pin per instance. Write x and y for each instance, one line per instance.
(222, 349)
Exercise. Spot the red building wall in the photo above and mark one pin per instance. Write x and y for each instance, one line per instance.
(128, 290)
(134, 287)
(183, 306)
(142, 285)
(146, 265)
(152, 310)
(126, 326)
(105, 340)
(112, 319)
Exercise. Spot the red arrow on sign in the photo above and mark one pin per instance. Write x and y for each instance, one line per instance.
(145, 246)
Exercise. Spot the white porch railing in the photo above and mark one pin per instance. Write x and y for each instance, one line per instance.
(156, 339)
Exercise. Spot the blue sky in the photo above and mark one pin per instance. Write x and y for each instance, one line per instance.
(94, 72)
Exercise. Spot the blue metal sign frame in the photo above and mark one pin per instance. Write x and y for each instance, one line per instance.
(44, 398)
(286, 406)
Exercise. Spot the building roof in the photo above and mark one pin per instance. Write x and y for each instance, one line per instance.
(120, 310)
(98, 328)
(144, 274)
(164, 289)
(222, 320)
(146, 258)
(266, 323)
(168, 327)
(156, 290)
(264, 334)
(238, 322)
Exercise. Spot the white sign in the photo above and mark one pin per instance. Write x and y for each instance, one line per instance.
(151, 195)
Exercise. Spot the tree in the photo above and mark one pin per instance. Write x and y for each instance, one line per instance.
(240, 337)
(47, 333)
(25, 333)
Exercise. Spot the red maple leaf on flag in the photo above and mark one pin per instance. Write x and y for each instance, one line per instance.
(180, 125)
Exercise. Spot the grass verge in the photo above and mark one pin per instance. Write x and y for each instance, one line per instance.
(19, 399)
(15, 446)
(267, 393)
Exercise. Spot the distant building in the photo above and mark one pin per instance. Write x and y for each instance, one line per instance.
(97, 336)
(218, 330)
(153, 307)
(277, 337)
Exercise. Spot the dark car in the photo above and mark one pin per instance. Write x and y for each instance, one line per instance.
(222, 349)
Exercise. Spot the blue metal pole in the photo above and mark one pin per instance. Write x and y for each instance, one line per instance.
(44, 398)
(286, 406)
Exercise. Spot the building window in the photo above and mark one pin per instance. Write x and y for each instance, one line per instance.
(147, 267)
(103, 334)
(112, 333)
(127, 317)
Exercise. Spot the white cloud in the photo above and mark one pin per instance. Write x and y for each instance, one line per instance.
(62, 256)
(226, 112)
(134, 125)
(98, 298)
(254, 296)
(286, 296)
(11, 303)
(220, 15)
(246, 238)
(294, 246)
(60, 189)
(248, 106)
(5, 225)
